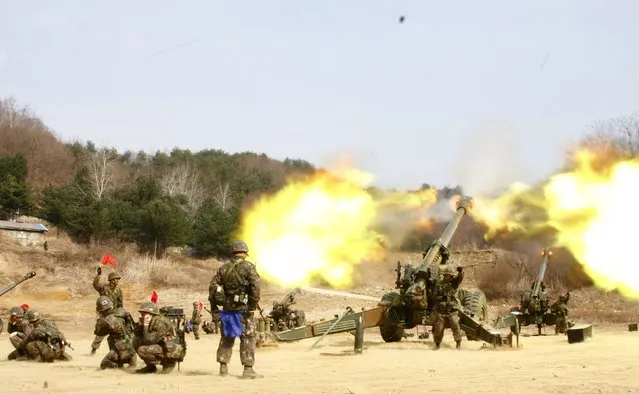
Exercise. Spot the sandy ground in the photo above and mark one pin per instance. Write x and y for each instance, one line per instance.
(606, 363)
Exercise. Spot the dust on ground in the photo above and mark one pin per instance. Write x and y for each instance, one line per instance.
(604, 363)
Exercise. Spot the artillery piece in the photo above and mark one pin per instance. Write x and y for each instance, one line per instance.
(11, 287)
(282, 317)
(410, 307)
(534, 307)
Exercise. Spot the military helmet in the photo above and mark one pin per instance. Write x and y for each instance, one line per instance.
(195, 303)
(103, 303)
(33, 315)
(114, 275)
(449, 270)
(149, 307)
(17, 311)
(239, 246)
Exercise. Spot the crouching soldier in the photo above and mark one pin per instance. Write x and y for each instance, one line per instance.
(156, 341)
(18, 328)
(44, 343)
(118, 325)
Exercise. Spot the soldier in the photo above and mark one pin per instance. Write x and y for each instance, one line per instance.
(110, 290)
(446, 305)
(156, 341)
(196, 320)
(118, 325)
(235, 286)
(18, 328)
(536, 306)
(560, 309)
(44, 342)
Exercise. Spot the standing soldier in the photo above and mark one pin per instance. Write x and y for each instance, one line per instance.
(196, 320)
(110, 290)
(156, 341)
(18, 328)
(560, 309)
(446, 305)
(236, 288)
(118, 325)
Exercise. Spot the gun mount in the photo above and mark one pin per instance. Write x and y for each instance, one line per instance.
(411, 305)
(283, 317)
(534, 307)
(11, 287)
(177, 317)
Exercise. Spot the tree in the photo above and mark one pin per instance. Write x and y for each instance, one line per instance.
(183, 180)
(213, 228)
(163, 224)
(99, 172)
(15, 191)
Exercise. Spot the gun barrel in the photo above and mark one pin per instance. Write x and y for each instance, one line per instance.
(14, 285)
(542, 271)
(463, 206)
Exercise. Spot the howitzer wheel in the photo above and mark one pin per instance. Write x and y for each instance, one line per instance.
(474, 303)
(391, 327)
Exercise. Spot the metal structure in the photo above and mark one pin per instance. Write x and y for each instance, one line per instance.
(534, 307)
(411, 306)
(11, 287)
(177, 317)
(283, 317)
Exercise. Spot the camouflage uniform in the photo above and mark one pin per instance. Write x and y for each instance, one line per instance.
(18, 328)
(110, 290)
(118, 325)
(560, 309)
(446, 306)
(196, 320)
(44, 342)
(156, 341)
(235, 286)
(536, 306)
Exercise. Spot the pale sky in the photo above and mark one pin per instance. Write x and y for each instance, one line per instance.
(314, 79)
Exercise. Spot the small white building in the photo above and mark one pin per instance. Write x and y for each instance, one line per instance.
(27, 234)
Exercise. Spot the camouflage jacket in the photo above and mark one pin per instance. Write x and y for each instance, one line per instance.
(196, 318)
(21, 326)
(159, 329)
(240, 284)
(105, 289)
(44, 331)
(445, 295)
(114, 325)
(535, 304)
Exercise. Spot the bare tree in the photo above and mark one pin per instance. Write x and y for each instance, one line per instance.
(618, 135)
(100, 166)
(183, 180)
(223, 197)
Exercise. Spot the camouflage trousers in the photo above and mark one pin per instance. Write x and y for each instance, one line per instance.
(38, 350)
(96, 342)
(561, 324)
(441, 321)
(196, 330)
(247, 344)
(15, 341)
(120, 352)
(154, 354)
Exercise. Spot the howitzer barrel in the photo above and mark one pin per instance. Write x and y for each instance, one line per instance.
(463, 205)
(542, 272)
(12, 286)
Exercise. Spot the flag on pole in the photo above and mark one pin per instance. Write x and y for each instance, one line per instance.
(154, 297)
(107, 259)
(201, 306)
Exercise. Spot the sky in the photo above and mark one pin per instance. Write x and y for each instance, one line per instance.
(461, 92)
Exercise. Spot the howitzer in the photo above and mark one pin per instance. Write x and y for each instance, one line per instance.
(282, 316)
(410, 306)
(534, 306)
(177, 317)
(13, 286)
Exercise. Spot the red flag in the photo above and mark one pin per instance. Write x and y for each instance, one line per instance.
(24, 306)
(154, 297)
(107, 259)
(201, 306)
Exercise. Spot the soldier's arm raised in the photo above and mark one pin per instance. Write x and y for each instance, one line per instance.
(96, 284)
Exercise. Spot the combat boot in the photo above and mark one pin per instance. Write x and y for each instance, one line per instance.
(149, 368)
(133, 361)
(168, 367)
(249, 373)
(437, 346)
(458, 345)
(92, 352)
(224, 369)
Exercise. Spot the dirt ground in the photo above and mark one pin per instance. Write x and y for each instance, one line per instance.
(605, 363)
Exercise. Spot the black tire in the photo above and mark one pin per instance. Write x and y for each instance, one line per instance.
(391, 327)
(474, 302)
(514, 329)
